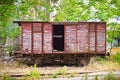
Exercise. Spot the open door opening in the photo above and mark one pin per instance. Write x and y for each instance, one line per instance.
(58, 37)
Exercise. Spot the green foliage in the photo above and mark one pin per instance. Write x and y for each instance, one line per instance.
(31, 10)
(113, 31)
(14, 32)
(101, 59)
(7, 2)
(110, 76)
(72, 11)
(7, 9)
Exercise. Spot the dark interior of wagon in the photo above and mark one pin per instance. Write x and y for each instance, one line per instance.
(58, 38)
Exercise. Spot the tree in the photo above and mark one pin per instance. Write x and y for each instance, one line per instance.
(72, 10)
(6, 15)
(32, 10)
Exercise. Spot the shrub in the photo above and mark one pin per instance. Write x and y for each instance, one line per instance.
(101, 59)
(109, 76)
(116, 57)
(34, 74)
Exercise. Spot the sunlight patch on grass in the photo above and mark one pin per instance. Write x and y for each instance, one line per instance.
(98, 63)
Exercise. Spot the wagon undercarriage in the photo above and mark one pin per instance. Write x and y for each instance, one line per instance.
(62, 59)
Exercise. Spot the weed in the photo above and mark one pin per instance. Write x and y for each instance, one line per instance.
(61, 71)
(54, 75)
(34, 74)
(96, 77)
(72, 74)
(86, 76)
(5, 77)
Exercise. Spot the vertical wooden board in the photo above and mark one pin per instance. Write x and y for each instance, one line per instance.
(26, 37)
(47, 44)
(37, 38)
(101, 38)
(82, 35)
(70, 38)
(92, 37)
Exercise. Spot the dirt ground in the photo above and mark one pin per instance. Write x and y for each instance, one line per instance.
(13, 67)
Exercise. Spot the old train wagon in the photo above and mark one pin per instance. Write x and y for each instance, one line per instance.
(62, 41)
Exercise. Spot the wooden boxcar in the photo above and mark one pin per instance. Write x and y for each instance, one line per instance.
(62, 41)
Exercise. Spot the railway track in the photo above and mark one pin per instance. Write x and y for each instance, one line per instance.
(77, 76)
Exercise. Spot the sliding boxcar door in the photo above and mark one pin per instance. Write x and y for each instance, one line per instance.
(47, 38)
(37, 38)
(26, 37)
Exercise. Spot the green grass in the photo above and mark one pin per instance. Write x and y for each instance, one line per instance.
(113, 58)
(109, 76)
(116, 57)
(34, 74)
(72, 74)
(61, 71)
(86, 76)
(7, 77)
(96, 77)
(54, 75)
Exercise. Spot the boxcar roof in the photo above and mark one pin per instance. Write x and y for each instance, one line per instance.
(19, 22)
